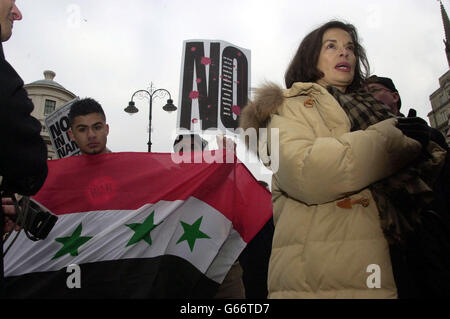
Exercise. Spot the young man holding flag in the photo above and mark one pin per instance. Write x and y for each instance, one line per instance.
(139, 226)
(88, 127)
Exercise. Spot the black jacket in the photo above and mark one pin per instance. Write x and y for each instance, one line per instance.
(254, 261)
(422, 266)
(23, 152)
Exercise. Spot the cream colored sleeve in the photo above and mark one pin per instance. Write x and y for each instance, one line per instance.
(316, 170)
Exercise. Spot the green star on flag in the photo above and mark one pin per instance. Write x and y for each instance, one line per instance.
(142, 231)
(192, 233)
(71, 243)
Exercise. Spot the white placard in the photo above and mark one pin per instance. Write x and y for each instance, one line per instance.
(58, 126)
(214, 86)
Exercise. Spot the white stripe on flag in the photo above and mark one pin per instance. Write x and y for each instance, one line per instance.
(110, 236)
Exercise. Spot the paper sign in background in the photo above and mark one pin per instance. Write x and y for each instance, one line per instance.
(214, 86)
(58, 126)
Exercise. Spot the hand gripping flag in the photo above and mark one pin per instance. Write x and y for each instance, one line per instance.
(138, 225)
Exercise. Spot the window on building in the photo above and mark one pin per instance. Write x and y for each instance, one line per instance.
(444, 116)
(442, 99)
(432, 121)
(49, 107)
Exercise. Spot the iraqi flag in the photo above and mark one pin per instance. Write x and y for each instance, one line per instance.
(138, 225)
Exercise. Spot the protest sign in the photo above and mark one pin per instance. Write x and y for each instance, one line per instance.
(214, 86)
(58, 126)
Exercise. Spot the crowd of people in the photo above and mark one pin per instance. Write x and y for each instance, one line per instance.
(359, 184)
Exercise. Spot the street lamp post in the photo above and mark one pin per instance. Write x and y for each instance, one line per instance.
(169, 107)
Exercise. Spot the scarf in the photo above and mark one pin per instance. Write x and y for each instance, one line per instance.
(402, 197)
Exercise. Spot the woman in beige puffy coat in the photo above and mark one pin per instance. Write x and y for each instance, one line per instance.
(328, 241)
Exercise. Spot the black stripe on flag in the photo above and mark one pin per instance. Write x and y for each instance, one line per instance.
(165, 277)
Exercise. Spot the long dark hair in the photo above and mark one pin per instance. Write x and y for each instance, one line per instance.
(303, 67)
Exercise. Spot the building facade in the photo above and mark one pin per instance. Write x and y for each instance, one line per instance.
(440, 102)
(47, 96)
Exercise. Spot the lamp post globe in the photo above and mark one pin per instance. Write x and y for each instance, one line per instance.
(131, 108)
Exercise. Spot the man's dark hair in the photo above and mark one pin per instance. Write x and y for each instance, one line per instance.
(303, 67)
(84, 107)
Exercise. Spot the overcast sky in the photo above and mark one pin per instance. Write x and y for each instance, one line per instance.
(108, 49)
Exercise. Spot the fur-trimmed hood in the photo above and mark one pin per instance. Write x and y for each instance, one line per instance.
(257, 112)
(256, 115)
(269, 97)
(268, 100)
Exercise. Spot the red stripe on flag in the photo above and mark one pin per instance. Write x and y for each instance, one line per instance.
(127, 181)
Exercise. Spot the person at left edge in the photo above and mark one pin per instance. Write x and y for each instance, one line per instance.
(23, 152)
(23, 159)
